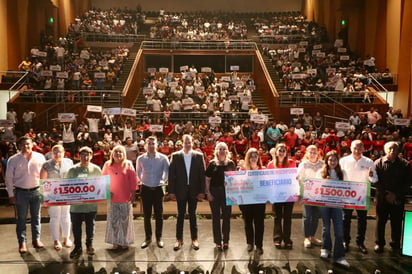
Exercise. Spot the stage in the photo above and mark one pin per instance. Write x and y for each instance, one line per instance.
(206, 260)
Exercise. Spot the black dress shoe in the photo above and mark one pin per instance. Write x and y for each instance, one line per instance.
(145, 244)
(362, 248)
(378, 248)
(76, 252)
(90, 250)
(160, 243)
(259, 250)
(249, 248)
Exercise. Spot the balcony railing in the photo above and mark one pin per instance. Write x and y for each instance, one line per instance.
(100, 97)
(199, 45)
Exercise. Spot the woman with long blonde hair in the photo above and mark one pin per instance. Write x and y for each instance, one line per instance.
(123, 186)
(311, 164)
(216, 194)
(253, 214)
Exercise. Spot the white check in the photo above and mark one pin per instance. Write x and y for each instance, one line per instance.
(261, 186)
(75, 190)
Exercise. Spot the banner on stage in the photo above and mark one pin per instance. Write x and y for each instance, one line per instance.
(335, 193)
(261, 186)
(70, 191)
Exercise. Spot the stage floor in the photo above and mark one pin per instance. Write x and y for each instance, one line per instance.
(206, 260)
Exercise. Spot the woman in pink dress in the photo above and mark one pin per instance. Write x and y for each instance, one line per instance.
(123, 186)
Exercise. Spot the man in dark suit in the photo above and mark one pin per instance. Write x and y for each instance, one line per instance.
(186, 186)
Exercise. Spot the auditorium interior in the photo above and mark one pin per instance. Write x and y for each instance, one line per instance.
(286, 57)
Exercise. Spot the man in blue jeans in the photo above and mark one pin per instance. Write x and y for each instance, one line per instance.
(86, 212)
(22, 181)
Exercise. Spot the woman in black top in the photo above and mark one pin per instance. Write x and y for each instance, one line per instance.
(215, 190)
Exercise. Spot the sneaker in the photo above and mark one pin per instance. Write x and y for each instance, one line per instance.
(324, 253)
(307, 243)
(342, 262)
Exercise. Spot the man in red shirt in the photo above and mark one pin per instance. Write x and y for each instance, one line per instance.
(291, 139)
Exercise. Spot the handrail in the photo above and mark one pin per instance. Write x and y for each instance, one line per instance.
(337, 95)
(111, 37)
(199, 45)
(377, 83)
(194, 116)
(267, 75)
(103, 97)
(25, 73)
(336, 102)
(335, 117)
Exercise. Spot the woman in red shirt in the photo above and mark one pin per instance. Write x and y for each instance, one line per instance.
(240, 145)
(282, 211)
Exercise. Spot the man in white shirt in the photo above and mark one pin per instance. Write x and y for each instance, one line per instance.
(187, 186)
(22, 182)
(358, 168)
(93, 122)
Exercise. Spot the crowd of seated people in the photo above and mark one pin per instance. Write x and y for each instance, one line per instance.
(307, 69)
(114, 130)
(196, 93)
(111, 21)
(198, 27)
(59, 67)
(287, 28)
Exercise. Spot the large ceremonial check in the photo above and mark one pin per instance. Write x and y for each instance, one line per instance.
(75, 190)
(261, 186)
(335, 193)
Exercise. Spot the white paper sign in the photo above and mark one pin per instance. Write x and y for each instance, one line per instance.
(147, 91)
(156, 128)
(91, 108)
(62, 75)
(128, 112)
(401, 122)
(342, 126)
(258, 118)
(164, 70)
(55, 68)
(205, 69)
(66, 117)
(45, 73)
(99, 75)
(215, 120)
(296, 111)
(112, 111)
(151, 70)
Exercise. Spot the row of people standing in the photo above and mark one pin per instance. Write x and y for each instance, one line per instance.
(26, 168)
(189, 180)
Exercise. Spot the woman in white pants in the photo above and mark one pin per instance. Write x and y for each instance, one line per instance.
(56, 167)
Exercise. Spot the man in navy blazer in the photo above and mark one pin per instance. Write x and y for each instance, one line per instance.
(186, 186)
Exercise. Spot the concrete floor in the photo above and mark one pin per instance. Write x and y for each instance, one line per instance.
(206, 260)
